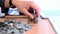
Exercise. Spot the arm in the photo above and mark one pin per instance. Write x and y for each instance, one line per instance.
(24, 6)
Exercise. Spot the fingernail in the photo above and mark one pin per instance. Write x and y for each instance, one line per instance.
(32, 17)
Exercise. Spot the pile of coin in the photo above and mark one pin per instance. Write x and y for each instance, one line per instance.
(14, 27)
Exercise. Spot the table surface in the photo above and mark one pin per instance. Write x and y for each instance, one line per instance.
(43, 27)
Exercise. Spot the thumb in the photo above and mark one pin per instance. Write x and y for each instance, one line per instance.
(25, 11)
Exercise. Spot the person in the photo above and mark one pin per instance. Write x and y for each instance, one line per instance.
(21, 5)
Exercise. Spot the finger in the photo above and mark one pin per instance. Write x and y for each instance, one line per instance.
(36, 8)
(24, 11)
(27, 13)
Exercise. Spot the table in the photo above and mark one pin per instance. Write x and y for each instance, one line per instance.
(43, 27)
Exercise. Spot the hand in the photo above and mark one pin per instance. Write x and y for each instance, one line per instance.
(24, 6)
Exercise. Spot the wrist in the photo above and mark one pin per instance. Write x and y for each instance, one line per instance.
(6, 3)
